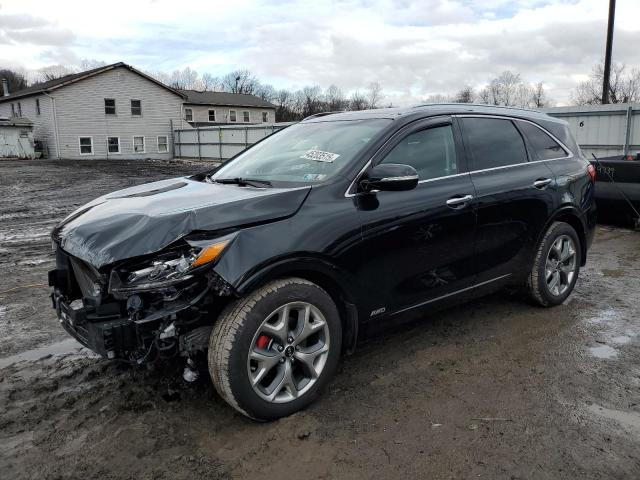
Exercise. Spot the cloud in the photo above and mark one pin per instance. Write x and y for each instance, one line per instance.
(414, 49)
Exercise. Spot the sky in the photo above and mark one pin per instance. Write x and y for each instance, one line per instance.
(414, 49)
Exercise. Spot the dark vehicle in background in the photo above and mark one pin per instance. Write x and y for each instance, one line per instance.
(618, 192)
(270, 265)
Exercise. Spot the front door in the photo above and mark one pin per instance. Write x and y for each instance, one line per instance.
(418, 244)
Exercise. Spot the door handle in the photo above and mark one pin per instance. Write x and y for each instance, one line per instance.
(456, 202)
(541, 183)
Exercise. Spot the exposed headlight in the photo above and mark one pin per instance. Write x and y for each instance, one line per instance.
(168, 269)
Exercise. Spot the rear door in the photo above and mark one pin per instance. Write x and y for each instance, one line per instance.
(418, 244)
(514, 196)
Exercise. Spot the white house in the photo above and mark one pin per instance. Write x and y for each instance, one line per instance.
(113, 111)
(203, 109)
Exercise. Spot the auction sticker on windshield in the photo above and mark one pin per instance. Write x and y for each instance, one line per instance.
(320, 156)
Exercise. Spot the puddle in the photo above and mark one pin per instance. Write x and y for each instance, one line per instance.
(603, 351)
(630, 420)
(66, 346)
(605, 316)
(621, 339)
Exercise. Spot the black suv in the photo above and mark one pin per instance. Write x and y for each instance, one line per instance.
(269, 265)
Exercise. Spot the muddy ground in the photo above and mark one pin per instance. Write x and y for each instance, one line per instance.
(496, 388)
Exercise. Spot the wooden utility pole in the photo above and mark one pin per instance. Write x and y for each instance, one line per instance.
(607, 56)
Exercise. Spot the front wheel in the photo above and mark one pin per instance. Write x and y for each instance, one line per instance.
(556, 265)
(271, 352)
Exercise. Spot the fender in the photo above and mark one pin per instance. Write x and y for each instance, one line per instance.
(335, 280)
(574, 217)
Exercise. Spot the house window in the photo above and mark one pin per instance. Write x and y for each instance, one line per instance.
(37, 106)
(265, 117)
(113, 144)
(109, 106)
(138, 144)
(86, 145)
(232, 115)
(212, 115)
(19, 109)
(13, 110)
(245, 117)
(163, 146)
(188, 114)
(136, 108)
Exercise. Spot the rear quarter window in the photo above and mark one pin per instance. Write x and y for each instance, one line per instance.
(544, 147)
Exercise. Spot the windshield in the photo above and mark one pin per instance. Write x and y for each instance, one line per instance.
(303, 153)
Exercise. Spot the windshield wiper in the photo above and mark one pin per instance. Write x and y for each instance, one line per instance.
(243, 182)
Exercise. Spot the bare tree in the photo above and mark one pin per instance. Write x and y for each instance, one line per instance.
(465, 95)
(239, 81)
(539, 96)
(211, 83)
(374, 94)
(52, 72)
(437, 98)
(624, 86)
(15, 80)
(265, 92)
(508, 89)
(358, 101)
(90, 64)
(335, 99)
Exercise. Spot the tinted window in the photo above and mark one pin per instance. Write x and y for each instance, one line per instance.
(493, 142)
(431, 152)
(544, 146)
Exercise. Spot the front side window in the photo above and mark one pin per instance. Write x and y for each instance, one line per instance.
(188, 114)
(304, 153)
(138, 144)
(86, 145)
(109, 106)
(431, 152)
(212, 115)
(136, 108)
(265, 117)
(232, 115)
(245, 117)
(493, 143)
(37, 106)
(162, 144)
(545, 147)
(113, 144)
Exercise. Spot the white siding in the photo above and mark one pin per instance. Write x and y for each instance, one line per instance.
(80, 112)
(43, 126)
(201, 114)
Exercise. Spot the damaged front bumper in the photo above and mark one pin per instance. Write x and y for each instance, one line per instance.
(136, 326)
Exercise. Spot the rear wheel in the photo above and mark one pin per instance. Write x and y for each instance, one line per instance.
(272, 351)
(556, 265)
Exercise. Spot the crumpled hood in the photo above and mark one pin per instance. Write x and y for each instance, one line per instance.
(147, 218)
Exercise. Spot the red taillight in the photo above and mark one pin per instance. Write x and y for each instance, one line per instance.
(592, 173)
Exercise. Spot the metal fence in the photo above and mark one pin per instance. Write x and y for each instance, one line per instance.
(604, 130)
(220, 142)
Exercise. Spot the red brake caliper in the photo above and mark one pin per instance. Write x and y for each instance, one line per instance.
(262, 342)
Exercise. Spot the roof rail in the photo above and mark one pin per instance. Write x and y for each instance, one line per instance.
(485, 105)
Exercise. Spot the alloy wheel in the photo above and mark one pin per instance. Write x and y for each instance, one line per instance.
(560, 267)
(288, 352)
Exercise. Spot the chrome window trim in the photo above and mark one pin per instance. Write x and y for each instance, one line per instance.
(470, 172)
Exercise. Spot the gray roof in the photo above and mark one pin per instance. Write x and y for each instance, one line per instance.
(224, 98)
(15, 122)
(75, 77)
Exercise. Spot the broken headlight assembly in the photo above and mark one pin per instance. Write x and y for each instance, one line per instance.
(168, 268)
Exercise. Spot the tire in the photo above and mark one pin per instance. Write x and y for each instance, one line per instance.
(540, 284)
(241, 330)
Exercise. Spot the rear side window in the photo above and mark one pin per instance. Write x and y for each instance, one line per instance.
(545, 147)
(493, 142)
(431, 152)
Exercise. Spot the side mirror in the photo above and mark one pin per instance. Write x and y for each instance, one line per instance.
(390, 177)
